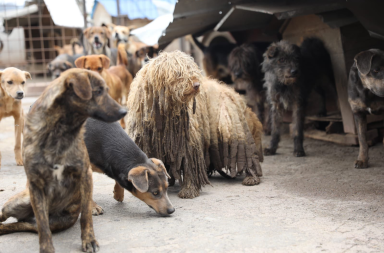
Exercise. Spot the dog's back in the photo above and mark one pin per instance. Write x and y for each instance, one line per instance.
(316, 58)
(105, 142)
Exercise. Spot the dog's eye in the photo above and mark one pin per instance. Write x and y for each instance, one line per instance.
(22, 82)
(102, 33)
(10, 82)
(99, 91)
(155, 193)
(89, 68)
(99, 68)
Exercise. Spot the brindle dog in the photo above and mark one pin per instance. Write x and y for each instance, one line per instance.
(56, 160)
(366, 95)
(291, 72)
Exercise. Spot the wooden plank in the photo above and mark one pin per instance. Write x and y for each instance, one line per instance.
(343, 139)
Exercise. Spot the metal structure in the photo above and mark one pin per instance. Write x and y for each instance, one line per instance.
(36, 39)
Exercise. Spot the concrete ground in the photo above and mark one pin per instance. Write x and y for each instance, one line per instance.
(318, 203)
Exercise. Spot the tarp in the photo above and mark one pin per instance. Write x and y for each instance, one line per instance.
(65, 13)
(137, 9)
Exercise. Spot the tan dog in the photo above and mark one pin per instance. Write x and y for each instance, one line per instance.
(11, 93)
(100, 64)
(96, 42)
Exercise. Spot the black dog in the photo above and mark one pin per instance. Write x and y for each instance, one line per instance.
(112, 151)
(61, 63)
(291, 72)
(366, 95)
(245, 66)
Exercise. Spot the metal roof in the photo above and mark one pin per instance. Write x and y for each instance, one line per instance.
(199, 16)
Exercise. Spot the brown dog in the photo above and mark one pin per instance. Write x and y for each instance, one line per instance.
(56, 160)
(96, 42)
(11, 93)
(100, 64)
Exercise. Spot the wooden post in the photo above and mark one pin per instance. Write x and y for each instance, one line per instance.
(85, 15)
(118, 12)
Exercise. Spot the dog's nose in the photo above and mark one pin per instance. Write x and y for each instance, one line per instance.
(170, 210)
(116, 35)
(196, 85)
(20, 93)
(122, 112)
(294, 71)
(57, 75)
(238, 74)
(96, 38)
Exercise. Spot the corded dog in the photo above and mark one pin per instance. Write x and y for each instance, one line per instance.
(11, 93)
(291, 73)
(366, 95)
(56, 159)
(113, 152)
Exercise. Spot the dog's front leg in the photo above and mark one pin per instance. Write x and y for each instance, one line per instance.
(276, 115)
(361, 127)
(39, 204)
(298, 130)
(19, 125)
(89, 243)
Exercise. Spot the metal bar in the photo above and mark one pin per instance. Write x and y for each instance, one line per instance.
(85, 15)
(118, 12)
(41, 33)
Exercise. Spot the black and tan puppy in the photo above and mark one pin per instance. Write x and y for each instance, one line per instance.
(291, 72)
(56, 159)
(366, 95)
(61, 63)
(112, 152)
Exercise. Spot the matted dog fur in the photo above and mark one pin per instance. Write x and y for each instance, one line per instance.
(170, 118)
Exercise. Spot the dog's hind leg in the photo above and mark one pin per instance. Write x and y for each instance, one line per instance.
(18, 206)
(323, 102)
(276, 119)
(19, 125)
(298, 131)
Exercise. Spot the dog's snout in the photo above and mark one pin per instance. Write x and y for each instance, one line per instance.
(96, 38)
(196, 85)
(294, 71)
(20, 93)
(170, 210)
(122, 112)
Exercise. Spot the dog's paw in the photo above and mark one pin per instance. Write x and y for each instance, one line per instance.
(268, 151)
(188, 193)
(118, 197)
(19, 162)
(299, 153)
(96, 209)
(250, 181)
(359, 164)
(90, 246)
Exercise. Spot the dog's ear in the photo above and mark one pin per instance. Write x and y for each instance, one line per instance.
(138, 176)
(363, 61)
(67, 65)
(272, 51)
(86, 31)
(105, 61)
(107, 32)
(160, 164)
(27, 75)
(81, 85)
(80, 62)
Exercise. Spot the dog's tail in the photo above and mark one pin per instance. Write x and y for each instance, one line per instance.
(199, 44)
(74, 42)
(122, 58)
(314, 48)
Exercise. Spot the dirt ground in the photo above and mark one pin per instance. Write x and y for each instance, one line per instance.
(318, 203)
